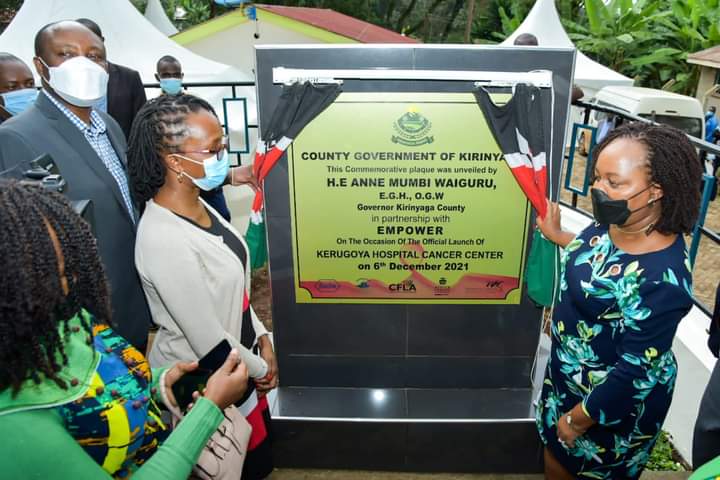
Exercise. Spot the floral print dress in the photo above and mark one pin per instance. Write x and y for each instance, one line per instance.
(612, 330)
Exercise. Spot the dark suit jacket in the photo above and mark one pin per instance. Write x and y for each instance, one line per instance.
(42, 129)
(126, 95)
(714, 338)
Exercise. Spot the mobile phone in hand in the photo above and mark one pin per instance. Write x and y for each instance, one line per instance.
(216, 357)
(190, 382)
(197, 379)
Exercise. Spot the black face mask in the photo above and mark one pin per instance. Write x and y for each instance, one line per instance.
(612, 212)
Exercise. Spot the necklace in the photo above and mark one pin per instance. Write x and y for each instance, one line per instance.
(647, 229)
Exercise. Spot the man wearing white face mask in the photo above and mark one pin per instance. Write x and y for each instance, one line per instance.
(125, 91)
(88, 148)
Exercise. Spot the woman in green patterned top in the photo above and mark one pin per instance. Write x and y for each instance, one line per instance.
(625, 285)
(77, 401)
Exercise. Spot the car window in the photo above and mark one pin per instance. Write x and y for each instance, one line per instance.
(691, 126)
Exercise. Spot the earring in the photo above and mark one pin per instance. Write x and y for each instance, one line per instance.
(180, 178)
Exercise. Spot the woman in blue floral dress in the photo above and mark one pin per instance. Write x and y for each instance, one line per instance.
(625, 286)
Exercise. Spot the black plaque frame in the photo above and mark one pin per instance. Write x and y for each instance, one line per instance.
(332, 357)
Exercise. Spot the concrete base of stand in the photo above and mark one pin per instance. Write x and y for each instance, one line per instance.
(412, 430)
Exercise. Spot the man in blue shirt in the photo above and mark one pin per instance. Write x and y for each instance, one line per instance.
(170, 75)
(711, 124)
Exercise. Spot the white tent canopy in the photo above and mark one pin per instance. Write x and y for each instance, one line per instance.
(543, 21)
(155, 13)
(130, 39)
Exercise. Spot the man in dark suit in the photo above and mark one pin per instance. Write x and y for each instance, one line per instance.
(88, 147)
(125, 91)
(706, 437)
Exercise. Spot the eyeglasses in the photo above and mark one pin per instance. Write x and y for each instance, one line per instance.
(218, 153)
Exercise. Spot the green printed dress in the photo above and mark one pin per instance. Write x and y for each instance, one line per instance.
(612, 331)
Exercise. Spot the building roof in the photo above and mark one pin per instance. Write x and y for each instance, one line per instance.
(709, 57)
(339, 23)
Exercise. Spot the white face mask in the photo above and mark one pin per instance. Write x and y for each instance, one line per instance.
(79, 81)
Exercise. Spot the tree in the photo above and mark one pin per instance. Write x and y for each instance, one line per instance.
(618, 32)
(648, 40)
(693, 26)
(10, 4)
(497, 19)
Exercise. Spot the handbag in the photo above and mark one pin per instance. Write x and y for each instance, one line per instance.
(223, 456)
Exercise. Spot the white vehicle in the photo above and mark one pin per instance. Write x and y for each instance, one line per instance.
(679, 111)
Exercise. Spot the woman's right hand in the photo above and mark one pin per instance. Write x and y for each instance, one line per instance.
(550, 225)
(229, 382)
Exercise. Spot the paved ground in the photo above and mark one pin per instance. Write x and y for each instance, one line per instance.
(287, 474)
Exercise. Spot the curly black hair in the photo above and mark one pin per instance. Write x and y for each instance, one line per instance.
(33, 307)
(673, 164)
(158, 129)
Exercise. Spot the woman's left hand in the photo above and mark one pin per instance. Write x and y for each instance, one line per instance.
(566, 433)
(270, 380)
(173, 375)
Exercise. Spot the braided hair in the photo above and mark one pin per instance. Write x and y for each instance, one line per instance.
(158, 129)
(672, 163)
(33, 306)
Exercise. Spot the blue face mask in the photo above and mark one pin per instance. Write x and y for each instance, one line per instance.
(101, 104)
(171, 86)
(216, 171)
(19, 100)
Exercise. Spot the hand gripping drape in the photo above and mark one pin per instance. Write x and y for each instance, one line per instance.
(298, 105)
(519, 130)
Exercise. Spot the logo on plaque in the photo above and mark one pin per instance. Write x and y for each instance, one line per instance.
(412, 129)
(406, 286)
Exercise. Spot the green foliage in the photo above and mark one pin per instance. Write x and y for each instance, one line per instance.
(10, 4)
(197, 11)
(618, 32)
(499, 19)
(510, 23)
(141, 5)
(648, 40)
(693, 26)
(661, 458)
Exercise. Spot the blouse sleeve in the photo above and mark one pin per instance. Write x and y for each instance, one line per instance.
(157, 375)
(650, 316)
(42, 448)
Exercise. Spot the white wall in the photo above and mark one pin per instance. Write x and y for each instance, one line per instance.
(235, 46)
(705, 82)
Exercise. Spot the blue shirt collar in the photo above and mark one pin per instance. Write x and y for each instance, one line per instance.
(97, 125)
